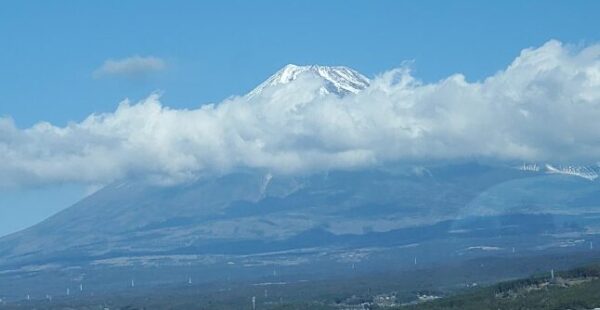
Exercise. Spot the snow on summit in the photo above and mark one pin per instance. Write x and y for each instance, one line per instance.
(338, 80)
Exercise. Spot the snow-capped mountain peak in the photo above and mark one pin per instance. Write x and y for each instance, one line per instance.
(338, 80)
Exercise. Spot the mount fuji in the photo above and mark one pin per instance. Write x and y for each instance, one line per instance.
(253, 220)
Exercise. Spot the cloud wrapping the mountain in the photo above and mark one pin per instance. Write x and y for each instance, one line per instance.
(135, 66)
(545, 106)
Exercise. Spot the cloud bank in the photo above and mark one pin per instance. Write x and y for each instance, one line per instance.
(545, 106)
(134, 66)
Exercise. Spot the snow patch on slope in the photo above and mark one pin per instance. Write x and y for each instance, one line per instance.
(579, 171)
(588, 173)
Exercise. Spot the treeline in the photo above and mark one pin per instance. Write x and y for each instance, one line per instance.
(516, 295)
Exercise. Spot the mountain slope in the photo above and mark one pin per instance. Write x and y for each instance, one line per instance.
(207, 216)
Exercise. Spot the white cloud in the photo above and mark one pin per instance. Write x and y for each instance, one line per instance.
(134, 66)
(544, 107)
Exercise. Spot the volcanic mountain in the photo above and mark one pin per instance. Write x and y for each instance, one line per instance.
(252, 218)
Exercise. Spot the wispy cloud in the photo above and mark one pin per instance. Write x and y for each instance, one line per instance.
(135, 66)
(545, 106)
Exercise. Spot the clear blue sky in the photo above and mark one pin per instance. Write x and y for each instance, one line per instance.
(49, 50)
